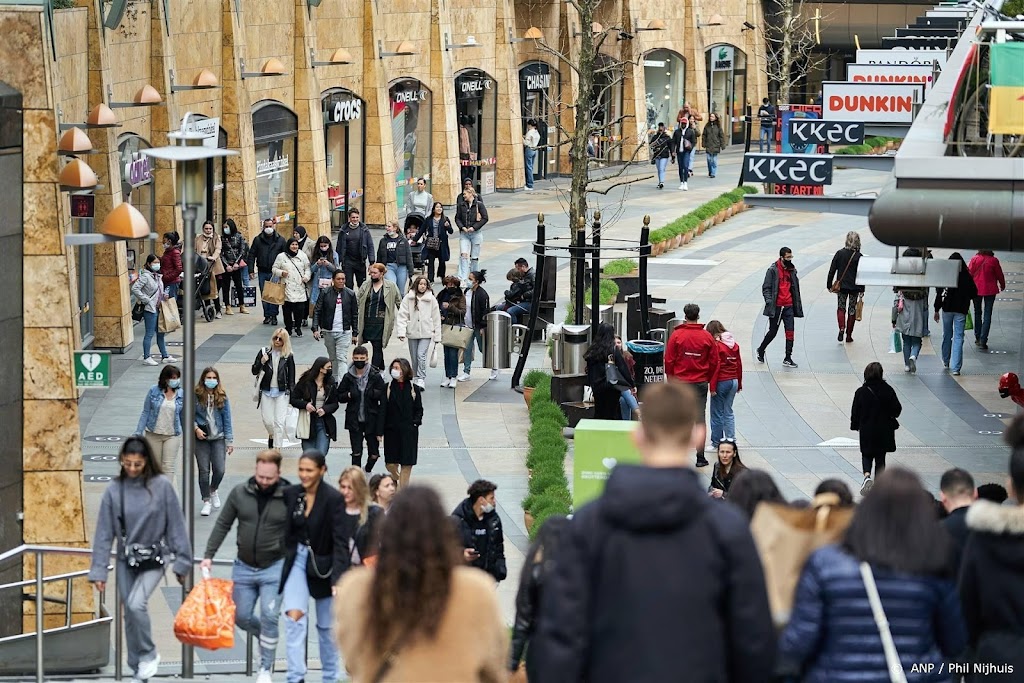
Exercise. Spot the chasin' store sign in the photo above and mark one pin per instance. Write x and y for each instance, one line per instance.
(538, 81)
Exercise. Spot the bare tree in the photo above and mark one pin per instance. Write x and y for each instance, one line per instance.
(789, 41)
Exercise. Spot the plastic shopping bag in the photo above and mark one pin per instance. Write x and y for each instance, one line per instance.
(969, 323)
(291, 425)
(896, 342)
(207, 617)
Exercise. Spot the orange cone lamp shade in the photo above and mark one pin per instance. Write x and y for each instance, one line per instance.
(147, 94)
(125, 222)
(77, 174)
(205, 79)
(74, 141)
(101, 115)
(273, 66)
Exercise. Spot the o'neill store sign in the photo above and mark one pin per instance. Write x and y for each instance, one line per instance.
(472, 86)
(722, 58)
(870, 102)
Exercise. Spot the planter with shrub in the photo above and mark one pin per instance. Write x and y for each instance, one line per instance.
(548, 490)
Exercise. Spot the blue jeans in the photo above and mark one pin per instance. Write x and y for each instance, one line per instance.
(469, 253)
(982, 323)
(529, 157)
(764, 140)
(953, 340)
(451, 362)
(318, 439)
(712, 164)
(627, 403)
(661, 165)
(399, 275)
(517, 310)
(147, 340)
(723, 420)
(252, 583)
(296, 597)
(911, 347)
(269, 310)
(467, 357)
(684, 164)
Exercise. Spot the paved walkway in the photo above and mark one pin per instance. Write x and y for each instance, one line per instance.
(791, 422)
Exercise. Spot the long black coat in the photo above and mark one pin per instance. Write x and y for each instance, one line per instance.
(874, 412)
(327, 539)
(847, 275)
(349, 393)
(606, 396)
(305, 392)
(403, 415)
(444, 229)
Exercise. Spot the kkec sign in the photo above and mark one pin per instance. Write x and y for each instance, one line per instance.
(899, 56)
(818, 132)
(889, 73)
(788, 169)
(870, 102)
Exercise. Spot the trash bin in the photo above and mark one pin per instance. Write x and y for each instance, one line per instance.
(575, 342)
(671, 325)
(519, 334)
(555, 348)
(649, 357)
(498, 341)
(604, 313)
(658, 334)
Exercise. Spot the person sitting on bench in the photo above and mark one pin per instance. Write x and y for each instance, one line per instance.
(519, 297)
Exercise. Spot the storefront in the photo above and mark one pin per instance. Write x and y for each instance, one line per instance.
(138, 191)
(275, 130)
(205, 183)
(727, 86)
(538, 92)
(606, 145)
(665, 82)
(411, 131)
(345, 143)
(476, 104)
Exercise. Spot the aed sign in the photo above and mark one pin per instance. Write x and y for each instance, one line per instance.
(899, 56)
(788, 169)
(870, 102)
(819, 132)
(889, 73)
(92, 369)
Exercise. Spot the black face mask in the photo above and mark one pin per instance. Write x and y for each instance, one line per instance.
(359, 364)
(788, 265)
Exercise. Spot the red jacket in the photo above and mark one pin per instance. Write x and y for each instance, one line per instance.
(730, 363)
(987, 274)
(690, 355)
(170, 265)
(785, 297)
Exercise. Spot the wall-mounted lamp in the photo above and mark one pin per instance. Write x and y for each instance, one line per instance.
(339, 57)
(77, 176)
(100, 117)
(146, 96)
(125, 222)
(470, 42)
(204, 80)
(74, 142)
(271, 67)
(532, 33)
(715, 20)
(405, 48)
(653, 25)
(747, 26)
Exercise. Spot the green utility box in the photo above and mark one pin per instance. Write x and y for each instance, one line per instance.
(599, 445)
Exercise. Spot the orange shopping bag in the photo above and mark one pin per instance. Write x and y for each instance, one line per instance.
(207, 617)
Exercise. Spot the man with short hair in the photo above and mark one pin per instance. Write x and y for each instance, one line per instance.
(336, 316)
(766, 113)
(362, 389)
(479, 528)
(519, 297)
(355, 249)
(530, 142)
(258, 505)
(263, 251)
(691, 357)
(958, 493)
(782, 303)
(654, 581)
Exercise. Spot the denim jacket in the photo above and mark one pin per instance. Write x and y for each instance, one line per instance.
(151, 408)
(326, 272)
(222, 416)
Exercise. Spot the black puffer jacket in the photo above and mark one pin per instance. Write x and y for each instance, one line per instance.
(264, 251)
(481, 306)
(770, 291)
(349, 393)
(485, 535)
(957, 299)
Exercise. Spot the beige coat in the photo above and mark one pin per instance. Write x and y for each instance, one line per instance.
(294, 273)
(390, 308)
(209, 248)
(421, 321)
(471, 644)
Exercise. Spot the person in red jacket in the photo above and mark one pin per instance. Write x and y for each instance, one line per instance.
(691, 357)
(170, 264)
(725, 384)
(782, 303)
(988, 277)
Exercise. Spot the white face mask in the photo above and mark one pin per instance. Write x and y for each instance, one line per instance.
(155, 266)
(268, 231)
(396, 373)
(227, 231)
(486, 508)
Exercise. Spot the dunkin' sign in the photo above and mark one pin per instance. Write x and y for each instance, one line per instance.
(870, 102)
(889, 73)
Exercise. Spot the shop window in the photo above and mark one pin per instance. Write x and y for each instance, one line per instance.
(476, 102)
(538, 93)
(275, 133)
(665, 83)
(727, 87)
(411, 132)
(345, 143)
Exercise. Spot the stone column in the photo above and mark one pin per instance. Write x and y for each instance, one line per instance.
(445, 171)
(634, 103)
(380, 198)
(242, 204)
(312, 165)
(511, 165)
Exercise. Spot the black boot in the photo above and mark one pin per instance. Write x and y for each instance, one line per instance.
(357, 460)
(270, 442)
(370, 462)
(701, 460)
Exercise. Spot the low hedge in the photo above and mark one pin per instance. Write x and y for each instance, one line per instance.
(867, 146)
(548, 491)
(620, 266)
(607, 294)
(690, 221)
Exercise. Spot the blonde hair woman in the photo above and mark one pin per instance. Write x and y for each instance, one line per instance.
(214, 436)
(360, 517)
(419, 320)
(274, 369)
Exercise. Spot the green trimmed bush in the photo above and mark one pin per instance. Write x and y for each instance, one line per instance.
(545, 409)
(620, 266)
(535, 377)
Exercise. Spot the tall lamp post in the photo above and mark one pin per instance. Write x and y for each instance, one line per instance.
(185, 154)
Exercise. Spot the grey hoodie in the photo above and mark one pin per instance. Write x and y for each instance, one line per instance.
(153, 517)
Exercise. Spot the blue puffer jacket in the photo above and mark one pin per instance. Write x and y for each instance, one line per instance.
(833, 634)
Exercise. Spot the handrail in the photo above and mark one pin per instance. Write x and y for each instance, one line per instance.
(50, 549)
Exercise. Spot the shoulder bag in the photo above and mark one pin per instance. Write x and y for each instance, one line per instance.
(613, 376)
(838, 284)
(273, 291)
(140, 558)
(313, 561)
(892, 658)
(456, 336)
(259, 380)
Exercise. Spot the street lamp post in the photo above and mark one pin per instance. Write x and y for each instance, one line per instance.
(184, 154)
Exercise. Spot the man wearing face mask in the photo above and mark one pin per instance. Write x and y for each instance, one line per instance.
(262, 254)
(362, 389)
(335, 317)
(355, 249)
(479, 528)
(782, 303)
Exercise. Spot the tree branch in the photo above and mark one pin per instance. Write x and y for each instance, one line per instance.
(611, 187)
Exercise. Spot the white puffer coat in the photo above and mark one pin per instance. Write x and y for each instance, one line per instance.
(298, 275)
(419, 319)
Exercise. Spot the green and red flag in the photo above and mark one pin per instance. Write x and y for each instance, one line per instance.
(1006, 98)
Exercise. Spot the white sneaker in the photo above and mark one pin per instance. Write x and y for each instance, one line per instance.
(219, 315)
(464, 377)
(420, 383)
(682, 186)
(150, 361)
(912, 363)
(446, 383)
(207, 509)
(215, 499)
(263, 676)
(866, 486)
(170, 359)
(494, 375)
(149, 668)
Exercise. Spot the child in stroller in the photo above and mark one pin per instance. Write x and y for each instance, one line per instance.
(207, 301)
(413, 222)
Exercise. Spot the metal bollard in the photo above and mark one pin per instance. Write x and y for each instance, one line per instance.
(40, 604)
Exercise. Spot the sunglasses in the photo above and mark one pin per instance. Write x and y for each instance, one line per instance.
(278, 338)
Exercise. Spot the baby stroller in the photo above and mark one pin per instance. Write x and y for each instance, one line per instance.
(414, 221)
(206, 289)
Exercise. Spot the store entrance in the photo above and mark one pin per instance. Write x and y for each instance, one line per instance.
(535, 94)
(476, 107)
(346, 148)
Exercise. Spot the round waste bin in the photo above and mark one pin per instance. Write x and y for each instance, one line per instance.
(575, 342)
(498, 341)
(650, 362)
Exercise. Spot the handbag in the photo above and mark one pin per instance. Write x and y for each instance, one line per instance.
(302, 426)
(273, 291)
(969, 323)
(860, 307)
(434, 242)
(168, 319)
(612, 374)
(892, 657)
(259, 379)
(314, 562)
(896, 342)
(433, 355)
(456, 336)
(138, 311)
(139, 558)
(838, 284)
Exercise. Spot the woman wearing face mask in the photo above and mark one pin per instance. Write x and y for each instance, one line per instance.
(214, 437)
(403, 415)
(322, 266)
(453, 307)
(208, 246)
(139, 510)
(419, 320)
(478, 305)
(316, 394)
(307, 247)
(232, 256)
(292, 267)
(316, 555)
(714, 142)
(160, 420)
(149, 289)
(170, 264)
(274, 369)
(727, 467)
(394, 252)
(382, 490)
(434, 231)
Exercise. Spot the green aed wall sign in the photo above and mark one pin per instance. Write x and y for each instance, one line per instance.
(598, 446)
(92, 369)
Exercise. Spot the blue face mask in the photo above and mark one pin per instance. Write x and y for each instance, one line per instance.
(210, 383)
(174, 383)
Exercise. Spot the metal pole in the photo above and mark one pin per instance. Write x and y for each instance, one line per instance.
(248, 654)
(577, 255)
(645, 253)
(188, 411)
(746, 145)
(538, 287)
(595, 277)
(40, 604)
(118, 633)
